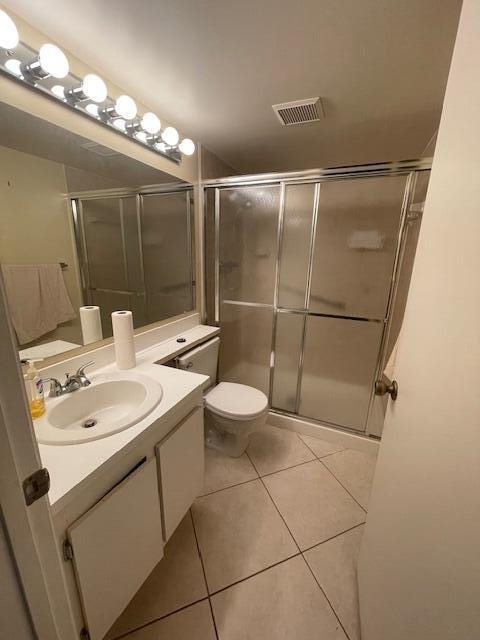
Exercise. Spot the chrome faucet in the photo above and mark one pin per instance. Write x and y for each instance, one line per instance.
(72, 383)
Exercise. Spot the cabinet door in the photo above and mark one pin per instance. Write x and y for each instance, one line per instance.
(116, 544)
(181, 465)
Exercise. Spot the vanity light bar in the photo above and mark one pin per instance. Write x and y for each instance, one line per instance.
(47, 70)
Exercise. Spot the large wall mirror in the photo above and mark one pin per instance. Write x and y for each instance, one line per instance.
(82, 226)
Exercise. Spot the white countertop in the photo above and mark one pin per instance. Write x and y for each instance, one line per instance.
(47, 349)
(71, 465)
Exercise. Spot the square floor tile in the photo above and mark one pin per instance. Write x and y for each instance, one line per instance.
(355, 470)
(334, 564)
(192, 623)
(320, 447)
(222, 471)
(176, 581)
(314, 505)
(282, 603)
(239, 532)
(272, 449)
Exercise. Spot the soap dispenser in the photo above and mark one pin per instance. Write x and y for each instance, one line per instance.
(34, 388)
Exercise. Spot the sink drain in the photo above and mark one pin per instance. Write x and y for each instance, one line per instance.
(91, 422)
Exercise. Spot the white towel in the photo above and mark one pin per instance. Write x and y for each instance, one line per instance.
(37, 298)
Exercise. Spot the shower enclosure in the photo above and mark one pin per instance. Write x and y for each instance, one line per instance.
(136, 252)
(306, 275)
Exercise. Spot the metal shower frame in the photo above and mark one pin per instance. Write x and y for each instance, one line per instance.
(410, 168)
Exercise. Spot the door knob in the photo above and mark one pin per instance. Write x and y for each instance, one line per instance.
(382, 388)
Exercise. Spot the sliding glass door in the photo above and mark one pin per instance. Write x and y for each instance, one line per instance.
(303, 280)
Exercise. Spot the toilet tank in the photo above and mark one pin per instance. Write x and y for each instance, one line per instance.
(202, 359)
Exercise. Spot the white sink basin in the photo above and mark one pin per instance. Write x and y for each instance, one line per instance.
(109, 405)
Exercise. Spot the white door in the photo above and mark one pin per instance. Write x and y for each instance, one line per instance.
(29, 528)
(419, 568)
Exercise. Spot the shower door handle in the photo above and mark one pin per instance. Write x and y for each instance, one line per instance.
(382, 388)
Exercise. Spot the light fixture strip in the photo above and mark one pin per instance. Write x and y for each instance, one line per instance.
(48, 72)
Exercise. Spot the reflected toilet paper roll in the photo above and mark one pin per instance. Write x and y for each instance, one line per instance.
(122, 324)
(91, 324)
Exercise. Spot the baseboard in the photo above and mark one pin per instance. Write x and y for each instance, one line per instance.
(323, 432)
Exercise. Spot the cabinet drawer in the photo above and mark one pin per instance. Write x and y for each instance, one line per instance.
(180, 458)
(116, 544)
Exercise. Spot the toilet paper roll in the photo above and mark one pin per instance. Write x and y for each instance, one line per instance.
(91, 324)
(122, 324)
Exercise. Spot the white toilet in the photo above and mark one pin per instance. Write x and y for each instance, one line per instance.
(232, 411)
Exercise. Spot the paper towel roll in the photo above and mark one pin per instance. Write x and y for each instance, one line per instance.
(122, 323)
(91, 324)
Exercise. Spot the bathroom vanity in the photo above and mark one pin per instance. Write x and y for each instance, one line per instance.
(117, 500)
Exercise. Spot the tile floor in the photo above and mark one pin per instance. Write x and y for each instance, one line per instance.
(267, 552)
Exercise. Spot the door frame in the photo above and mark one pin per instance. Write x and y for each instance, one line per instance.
(30, 529)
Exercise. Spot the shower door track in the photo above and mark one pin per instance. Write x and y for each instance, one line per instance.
(320, 175)
(317, 176)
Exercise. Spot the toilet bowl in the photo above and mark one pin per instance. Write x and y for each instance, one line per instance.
(232, 411)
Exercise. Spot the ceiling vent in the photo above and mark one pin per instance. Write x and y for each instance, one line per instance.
(299, 111)
(99, 149)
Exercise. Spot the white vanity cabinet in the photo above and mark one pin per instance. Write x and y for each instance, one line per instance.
(116, 545)
(181, 469)
(114, 531)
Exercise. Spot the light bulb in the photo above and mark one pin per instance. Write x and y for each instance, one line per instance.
(126, 107)
(92, 109)
(14, 66)
(58, 91)
(94, 87)
(170, 136)
(151, 123)
(8, 32)
(120, 124)
(141, 135)
(187, 147)
(160, 146)
(53, 61)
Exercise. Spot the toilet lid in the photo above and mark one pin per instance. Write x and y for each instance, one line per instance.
(238, 401)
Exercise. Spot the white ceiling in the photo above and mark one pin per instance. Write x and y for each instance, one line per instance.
(215, 67)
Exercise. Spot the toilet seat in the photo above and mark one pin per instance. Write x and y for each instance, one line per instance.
(236, 401)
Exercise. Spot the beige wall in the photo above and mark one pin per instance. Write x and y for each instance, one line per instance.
(35, 223)
(211, 166)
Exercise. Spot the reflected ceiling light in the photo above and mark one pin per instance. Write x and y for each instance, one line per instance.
(58, 91)
(170, 136)
(141, 135)
(8, 32)
(92, 88)
(92, 109)
(160, 146)
(120, 124)
(14, 66)
(150, 123)
(51, 61)
(187, 147)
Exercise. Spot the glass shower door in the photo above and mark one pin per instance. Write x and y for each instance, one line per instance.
(166, 237)
(247, 219)
(303, 276)
(355, 246)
